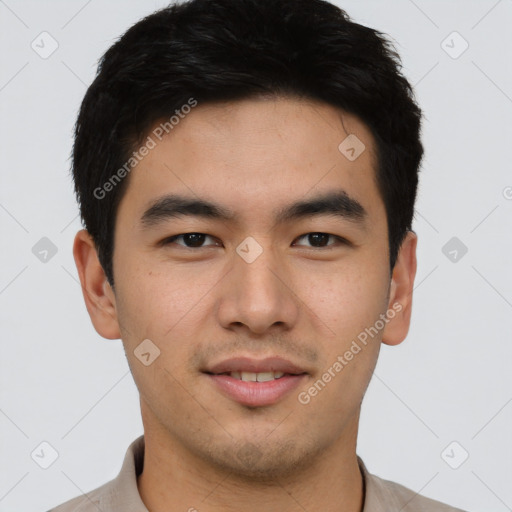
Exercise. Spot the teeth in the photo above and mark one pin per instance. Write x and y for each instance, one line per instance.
(256, 377)
(265, 376)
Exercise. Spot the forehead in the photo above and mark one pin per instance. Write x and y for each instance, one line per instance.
(255, 155)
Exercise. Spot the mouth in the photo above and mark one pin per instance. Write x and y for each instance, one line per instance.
(253, 376)
(255, 383)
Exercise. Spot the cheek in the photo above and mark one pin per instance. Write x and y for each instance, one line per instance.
(346, 299)
(163, 303)
(348, 304)
(158, 307)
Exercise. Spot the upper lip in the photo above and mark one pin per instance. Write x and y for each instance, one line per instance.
(246, 364)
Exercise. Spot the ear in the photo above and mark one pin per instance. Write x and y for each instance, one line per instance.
(98, 294)
(400, 294)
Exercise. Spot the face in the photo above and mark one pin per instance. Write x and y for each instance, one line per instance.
(248, 242)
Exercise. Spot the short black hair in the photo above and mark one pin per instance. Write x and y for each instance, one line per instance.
(226, 50)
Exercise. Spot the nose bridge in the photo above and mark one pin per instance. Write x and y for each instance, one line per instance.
(253, 294)
(257, 278)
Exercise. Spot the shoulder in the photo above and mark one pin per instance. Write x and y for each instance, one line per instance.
(120, 493)
(384, 495)
(89, 502)
(410, 500)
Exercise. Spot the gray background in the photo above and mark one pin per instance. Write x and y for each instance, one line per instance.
(450, 381)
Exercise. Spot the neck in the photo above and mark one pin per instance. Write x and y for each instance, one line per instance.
(174, 479)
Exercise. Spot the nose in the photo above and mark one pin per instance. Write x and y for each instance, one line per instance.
(258, 296)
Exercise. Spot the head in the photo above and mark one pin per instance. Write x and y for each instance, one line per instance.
(283, 126)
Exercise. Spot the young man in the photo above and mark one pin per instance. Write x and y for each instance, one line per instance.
(246, 172)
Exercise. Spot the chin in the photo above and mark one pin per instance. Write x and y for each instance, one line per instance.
(263, 462)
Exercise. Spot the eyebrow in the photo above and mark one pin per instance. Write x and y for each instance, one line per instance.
(336, 203)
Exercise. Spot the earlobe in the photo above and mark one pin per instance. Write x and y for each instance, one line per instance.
(98, 294)
(400, 295)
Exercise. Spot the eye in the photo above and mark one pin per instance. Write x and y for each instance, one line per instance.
(190, 240)
(320, 240)
(316, 240)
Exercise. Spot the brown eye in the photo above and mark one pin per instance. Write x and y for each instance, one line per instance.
(189, 240)
(320, 240)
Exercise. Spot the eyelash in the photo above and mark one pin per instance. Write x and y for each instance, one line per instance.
(340, 240)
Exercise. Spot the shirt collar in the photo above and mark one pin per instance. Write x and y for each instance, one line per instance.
(123, 494)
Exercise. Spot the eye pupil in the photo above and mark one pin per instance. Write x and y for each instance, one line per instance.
(318, 238)
(195, 239)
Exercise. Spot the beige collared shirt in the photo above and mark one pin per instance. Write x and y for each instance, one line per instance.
(121, 493)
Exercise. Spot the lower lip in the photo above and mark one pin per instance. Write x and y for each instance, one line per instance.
(257, 394)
